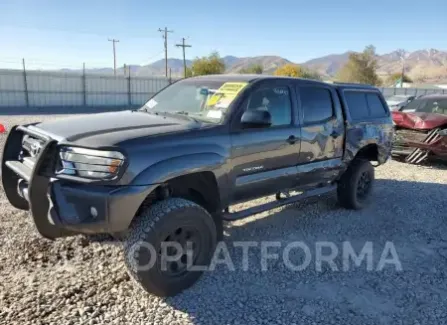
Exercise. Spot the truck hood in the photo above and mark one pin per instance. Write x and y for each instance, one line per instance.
(108, 129)
(419, 121)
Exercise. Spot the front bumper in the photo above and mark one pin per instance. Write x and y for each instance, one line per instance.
(60, 207)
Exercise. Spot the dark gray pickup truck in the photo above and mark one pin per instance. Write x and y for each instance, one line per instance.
(168, 172)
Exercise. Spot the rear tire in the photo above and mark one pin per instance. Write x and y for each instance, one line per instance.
(171, 220)
(356, 184)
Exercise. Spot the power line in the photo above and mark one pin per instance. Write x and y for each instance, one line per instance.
(153, 57)
(183, 46)
(114, 54)
(165, 36)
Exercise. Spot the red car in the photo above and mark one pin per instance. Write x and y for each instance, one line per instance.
(421, 129)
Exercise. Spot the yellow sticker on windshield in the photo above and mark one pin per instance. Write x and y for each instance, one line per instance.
(228, 90)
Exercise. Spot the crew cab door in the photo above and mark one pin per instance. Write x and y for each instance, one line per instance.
(264, 159)
(322, 133)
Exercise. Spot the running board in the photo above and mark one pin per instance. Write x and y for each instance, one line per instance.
(278, 203)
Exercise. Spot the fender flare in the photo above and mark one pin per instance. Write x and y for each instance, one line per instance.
(167, 169)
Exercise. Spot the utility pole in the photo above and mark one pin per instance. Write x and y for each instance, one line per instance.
(84, 86)
(402, 56)
(165, 36)
(183, 46)
(402, 74)
(114, 54)
(25, 83)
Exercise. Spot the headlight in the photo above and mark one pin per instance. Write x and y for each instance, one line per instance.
(89, 163)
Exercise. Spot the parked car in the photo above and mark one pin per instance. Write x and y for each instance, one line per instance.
(396, 102)
(169, 171)
(421, 128)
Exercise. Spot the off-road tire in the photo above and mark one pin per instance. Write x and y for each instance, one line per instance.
(348, 184)
(150, 227)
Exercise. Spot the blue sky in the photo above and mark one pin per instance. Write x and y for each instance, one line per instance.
(65, 33)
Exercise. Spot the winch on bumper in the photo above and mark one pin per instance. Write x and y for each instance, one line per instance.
(63, 207)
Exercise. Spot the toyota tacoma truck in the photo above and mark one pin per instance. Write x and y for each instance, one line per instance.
(169, 171)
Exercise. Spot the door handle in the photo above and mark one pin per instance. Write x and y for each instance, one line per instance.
(292, 139)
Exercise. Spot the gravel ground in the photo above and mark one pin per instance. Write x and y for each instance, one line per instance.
(80, 280)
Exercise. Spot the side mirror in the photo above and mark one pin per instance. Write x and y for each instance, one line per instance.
(256, 119)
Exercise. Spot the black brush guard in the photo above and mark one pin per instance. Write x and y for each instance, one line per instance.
(63, 208)
(27, 188)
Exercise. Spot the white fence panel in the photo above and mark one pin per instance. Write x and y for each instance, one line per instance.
(141, 98)
(12, 80)
(107, 99)
(43, 82)
(103, 85)
(12, 99)
(52, 88)
(43, 99)
(143, 85)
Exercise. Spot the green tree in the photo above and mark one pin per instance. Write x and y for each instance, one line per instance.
(296, 71)
(188, 72)
(211, 64)
(361, 68)
(254, 68)
(394, 77)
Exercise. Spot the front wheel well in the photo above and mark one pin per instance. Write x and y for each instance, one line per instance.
(200, 188)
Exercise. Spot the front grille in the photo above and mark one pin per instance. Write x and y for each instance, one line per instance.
(31, 146)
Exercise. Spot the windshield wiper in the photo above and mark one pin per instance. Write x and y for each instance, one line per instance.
(185, 113)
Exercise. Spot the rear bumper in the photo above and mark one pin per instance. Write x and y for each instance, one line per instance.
(63, 208)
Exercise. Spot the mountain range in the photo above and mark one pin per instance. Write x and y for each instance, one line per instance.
(428, 65)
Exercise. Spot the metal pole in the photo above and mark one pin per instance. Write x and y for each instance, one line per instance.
(129, 94)
(84, 86)
(183, 45)
(165, 36)
(402, 74)
(184, 59)
(25, 84)
(114, 41)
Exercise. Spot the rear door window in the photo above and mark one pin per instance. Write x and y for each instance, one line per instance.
(364, 105)
(376, 107)
(357, 105)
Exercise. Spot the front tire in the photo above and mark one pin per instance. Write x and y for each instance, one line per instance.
(356, 184)
(174, 220)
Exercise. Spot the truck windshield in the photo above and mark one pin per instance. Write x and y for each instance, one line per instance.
(203, 99)
(427, 105)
